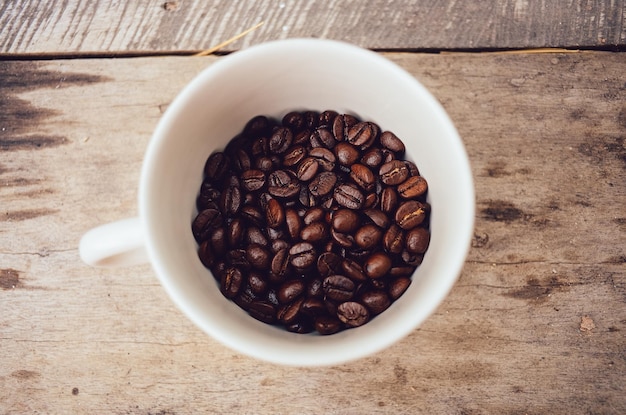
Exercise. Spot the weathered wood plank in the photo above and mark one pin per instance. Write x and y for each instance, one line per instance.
(72, 26)
(546, 138)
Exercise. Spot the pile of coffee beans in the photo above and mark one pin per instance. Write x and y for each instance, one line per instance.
(315, 222)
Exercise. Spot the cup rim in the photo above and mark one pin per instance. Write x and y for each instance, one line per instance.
(177, 106)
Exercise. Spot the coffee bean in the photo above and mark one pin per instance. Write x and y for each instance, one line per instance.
(353, 270)
(282, 184)
(302, 255)
(205, 222)
(253, 179)
(314, 215)
(362, 134)
(349, 196)
(311, 119)
(363, 177)
(388, 200)
(342, 239)
(377, 265)
(231, 282)
(353, 314)
(368, 236)
(257, 126)
(338, 287)
(258, 256)
(253, 215)
(280, 141)
(315, 232)
(417, 240)
(372, 157)
(393, 173)
(293, 222)
(342, 124)
(327, 118)
(216, 166)
(413, 187)
(294, 156)
(410, 214)
(327, 325)
(235, 232)
(378, 218)
(278, 244)
(280, 264)
(289, 313)
(231, 200)
(323, 184)
(290, 290)
(257, 282)
(390, 141)
(263, 311)
(307, 169)
(314, 288)
(313, 307)
(411, 258)
(293, 120)
(206, 254)
(275, 214)
(345, 220)
(346, 153)
(219, 241)
(328, 263)
(255, 236)
(398, 286)
(325, 158)
(322, 137)
(376, 301)
(393, 240)
(300, 325)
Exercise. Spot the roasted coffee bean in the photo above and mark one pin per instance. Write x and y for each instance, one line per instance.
(305, 197)
(338, 287)
(307, 169)
(349, 196)
(263, 311)
(342, 239)
(302, 255)
(323, 184)
(345, 221)
(327, 325)
(346, 153)
(290, 290)
(417, 240)
(413, 187)
(410, 214)
(235, 232)
(363, 177)
(313, 307)
(353, 314)
(242, 160)
(378, 218)
(253, 215)
(390, 141)
(393, 173)
(253, 179)
(294, 156)
(311, 119)
(325, 158)
(413, 170)
(216, 166)
(362, 134)
(258, 256)
(315, 232)
(325, 138)
(376, 301)
(278, 244)
(282, 184)
(393, 240)
(368, 236)
(289, 312)
(411, 258)
(328, 263)
(231, 200)
(377, 265)
(314, 288)
(342, 124)
(205, 222)
(257, 126)
(232, 281)
(257, 282)
(206, 254)
(255, 236)
(293, 120)
(397, 287)
(293, 222)
(300, 325)
(388, 200)
(280, 141)
(353, 270)
(275, 214)
(218, 240)
(280, 263)
(326, 118)
(314, 215)
(402, 271)
(373, 157)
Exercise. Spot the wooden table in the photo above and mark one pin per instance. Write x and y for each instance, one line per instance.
(537, 322)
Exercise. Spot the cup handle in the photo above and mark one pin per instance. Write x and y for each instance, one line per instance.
(115, 244)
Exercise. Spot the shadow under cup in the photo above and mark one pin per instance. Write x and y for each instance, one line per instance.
(272, 79)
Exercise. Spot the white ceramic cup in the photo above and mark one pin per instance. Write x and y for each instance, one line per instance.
(273, 79)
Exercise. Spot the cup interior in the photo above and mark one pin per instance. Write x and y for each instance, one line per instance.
(273, 79)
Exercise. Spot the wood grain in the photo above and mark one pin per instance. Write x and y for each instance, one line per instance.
(546, 139)
(70, 26)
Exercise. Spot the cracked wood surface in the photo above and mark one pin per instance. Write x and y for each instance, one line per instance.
(535, 324)
(104, 27)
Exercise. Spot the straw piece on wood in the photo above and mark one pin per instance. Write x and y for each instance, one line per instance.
(227, 42)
